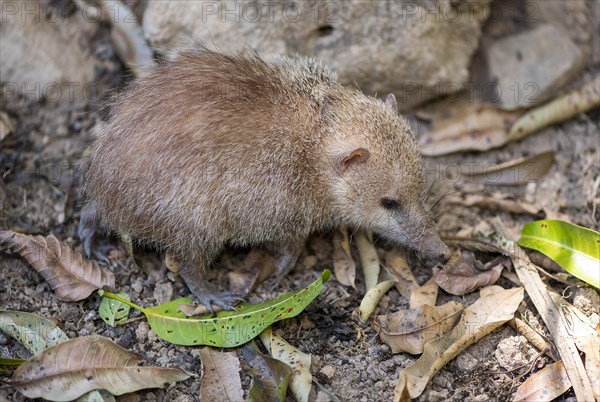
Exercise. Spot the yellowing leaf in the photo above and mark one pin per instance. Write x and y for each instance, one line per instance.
(74, 367)
(69, 274)
(227, 328)
(368, 259)
(34, 332)
(478, 320)
(545, 385)
(562, 109)
(573, 247)
(372, 298)
(220, 376)
(409, 330)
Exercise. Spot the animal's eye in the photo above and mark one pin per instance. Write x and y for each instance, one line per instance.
(389, 203)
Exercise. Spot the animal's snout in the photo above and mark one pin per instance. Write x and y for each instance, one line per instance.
(443, 254)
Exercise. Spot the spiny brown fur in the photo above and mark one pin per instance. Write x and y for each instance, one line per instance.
(214, 149)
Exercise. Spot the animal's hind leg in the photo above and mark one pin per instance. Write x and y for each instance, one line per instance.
(287, 255)
(88, 231)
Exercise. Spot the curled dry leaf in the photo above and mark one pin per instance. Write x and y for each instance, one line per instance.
(397, 266)
(368, 259)
(465, 274)
(372, 298)
(74, 367)
(477, 320)
(532, 336)
(220, 376)
(270, 377)
(301, 380)
(69, 273)
(545, 385)
(478, 128)
(518, 171)
(562, 109)
(424, 295)
(343, 264)
(409, 330)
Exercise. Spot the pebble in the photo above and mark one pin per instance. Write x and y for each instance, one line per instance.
(141, 333)
(530, 67)
(328, 371)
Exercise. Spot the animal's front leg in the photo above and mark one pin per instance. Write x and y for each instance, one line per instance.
(205, 292)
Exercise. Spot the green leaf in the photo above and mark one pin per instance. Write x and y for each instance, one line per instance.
(227, 329)
(112, 311)
(34, 332)
(8, 364)
(573, 247)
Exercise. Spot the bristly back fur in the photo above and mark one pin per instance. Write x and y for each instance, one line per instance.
(213, 149)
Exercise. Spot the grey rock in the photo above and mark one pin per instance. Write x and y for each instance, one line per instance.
(42, 56)
(573, 17)
(531, 66)
(416, 49)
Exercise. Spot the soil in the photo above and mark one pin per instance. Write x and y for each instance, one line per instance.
(38, 195)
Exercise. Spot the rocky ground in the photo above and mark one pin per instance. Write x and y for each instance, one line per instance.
(38, 195)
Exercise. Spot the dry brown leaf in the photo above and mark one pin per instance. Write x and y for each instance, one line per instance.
(343, 264)
(517, 171)
(466, 274)
(562, 109)
(478, 320)
(368, 259)
(586, 337)
(424, 295)
(220, 376)
(545, 385)
(478, 128)
(69, 273)
(553, 318)
(409, 330)
(71, 368)
(257, 266)
(498, 202)
(397, 266)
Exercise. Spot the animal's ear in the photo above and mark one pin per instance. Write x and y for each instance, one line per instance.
(391, 103)
(359, 155)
